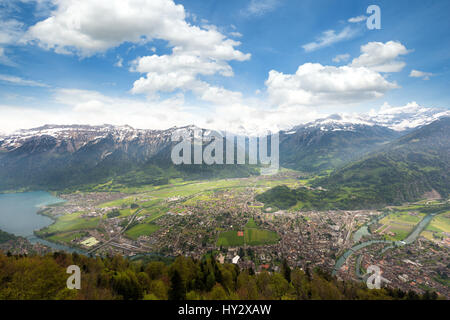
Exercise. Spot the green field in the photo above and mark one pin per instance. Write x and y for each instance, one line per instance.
(66, 237)
(154, 202)
(251, 223)
(399, 223)
(143, 229)
(252, 237)
(256, 237)
(71, 222)
(230, 239)
(438, 226)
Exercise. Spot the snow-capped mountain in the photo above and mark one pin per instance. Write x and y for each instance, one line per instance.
(60, 156)
(338, 139)
(407, 117)
(63, 155)
(396, 118)
(72, 138)
(330, 143)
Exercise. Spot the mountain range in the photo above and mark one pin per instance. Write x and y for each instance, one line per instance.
(412, 167)
(69, 156)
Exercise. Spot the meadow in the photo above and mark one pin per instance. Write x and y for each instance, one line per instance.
(253, 236)
(143, 229)
(398, 225)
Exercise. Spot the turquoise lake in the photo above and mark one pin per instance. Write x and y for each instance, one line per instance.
(18, 212)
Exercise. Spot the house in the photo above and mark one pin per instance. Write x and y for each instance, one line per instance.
(235, 259)
(221, 258)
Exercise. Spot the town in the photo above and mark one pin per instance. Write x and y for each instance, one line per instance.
(224, 219)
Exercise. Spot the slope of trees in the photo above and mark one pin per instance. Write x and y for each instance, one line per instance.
(4, 236)
(44, 277)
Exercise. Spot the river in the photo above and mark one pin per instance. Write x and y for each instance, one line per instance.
(364, 231)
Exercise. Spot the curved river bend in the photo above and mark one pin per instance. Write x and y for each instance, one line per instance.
(364, 231)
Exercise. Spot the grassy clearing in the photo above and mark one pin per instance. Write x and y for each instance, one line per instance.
(143, 229)
(71, 222)
(252, 237)
(66, 237)
(230, 239)
(251, 223)
(119, 202)
(152, 200)
(256, 237)
(400, 224)
(438, 226)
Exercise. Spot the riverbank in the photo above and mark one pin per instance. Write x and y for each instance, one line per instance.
(412, 236)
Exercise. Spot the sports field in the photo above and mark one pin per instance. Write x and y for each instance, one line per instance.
(252, 237)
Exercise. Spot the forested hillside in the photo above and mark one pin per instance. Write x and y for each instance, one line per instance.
(44, 277)
(404, 170)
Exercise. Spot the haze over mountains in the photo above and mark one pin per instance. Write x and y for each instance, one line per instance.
(66, 156)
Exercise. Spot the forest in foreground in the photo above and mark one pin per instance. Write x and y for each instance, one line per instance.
(106, 278)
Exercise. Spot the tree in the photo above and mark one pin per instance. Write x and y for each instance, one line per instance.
(218, 293)
(278, 286)
(246, 287)
(286, 270)
(177, 290)
(127, 285)
(300, 283)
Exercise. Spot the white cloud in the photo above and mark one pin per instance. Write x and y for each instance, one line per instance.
(357, 19)
(180, 63)
(88, 27)
(381, 57)
(314, 84)
(341, 57)
(236, 34)
(330, 37)
(180, 71)
(4, 59)
(421, 74)
(119, 62)
(260, 7)
(75, 106)
(21, 82)
(217, 95)
(10, 31)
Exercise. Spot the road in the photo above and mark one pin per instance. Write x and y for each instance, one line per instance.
(133, 217)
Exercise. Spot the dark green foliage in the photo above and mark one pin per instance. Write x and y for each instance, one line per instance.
(280, 197)
(44, 277)
(42, 164)
(177, 290)
(113, 213)
(403, 171)
(311, 149)
(4, 236)
(407, 168)
(126, 284)
(286, 270)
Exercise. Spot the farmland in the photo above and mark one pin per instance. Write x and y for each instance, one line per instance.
(398, 225)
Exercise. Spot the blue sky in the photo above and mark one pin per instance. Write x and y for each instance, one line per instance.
(251, 64)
